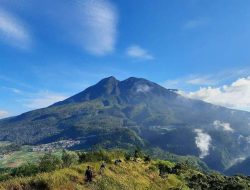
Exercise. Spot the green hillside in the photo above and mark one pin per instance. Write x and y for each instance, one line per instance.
(125, 176)
(132, 173)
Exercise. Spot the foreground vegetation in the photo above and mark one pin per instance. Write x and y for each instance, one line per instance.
(135, 171)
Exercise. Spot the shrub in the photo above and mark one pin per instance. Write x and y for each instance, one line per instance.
(127, 156)
(4, 176)
(39, 185)
(96, 156)
(81, 156)
(69, 158)
(49, 162)
(164, 167)
(153, 168)
(25, 170)
(147, 158)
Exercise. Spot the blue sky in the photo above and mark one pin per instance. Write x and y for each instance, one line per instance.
(50, 50)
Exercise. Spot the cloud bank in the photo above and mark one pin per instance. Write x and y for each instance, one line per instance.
(203, 142)
(236, 95)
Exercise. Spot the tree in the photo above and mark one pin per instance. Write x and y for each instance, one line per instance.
(50, 162)
(82, 156)
(69, 158)
(27, 169)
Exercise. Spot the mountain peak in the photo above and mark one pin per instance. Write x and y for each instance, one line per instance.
(131, 81)
(109, 81)
(127, 89)
(110, 78)
(135, 79)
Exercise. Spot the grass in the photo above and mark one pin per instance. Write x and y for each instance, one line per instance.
(17, 158)
(4, 143)
(126, 176)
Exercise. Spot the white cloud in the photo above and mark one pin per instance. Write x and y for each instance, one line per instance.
(43, 99)
(222, 125)
(235, 95)
(203, 142)
(13, 31)
(143, 88)
(242, 138)
(13, 90)
(175, 83)
(3, 114)
(201, 80)
(99, 26)
(194, 23)
(89, 24)
(138, 52)
(191, 80)
(238, 160)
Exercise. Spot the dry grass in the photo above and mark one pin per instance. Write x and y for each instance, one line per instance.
(126, 176)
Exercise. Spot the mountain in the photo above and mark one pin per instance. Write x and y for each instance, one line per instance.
(137, 112)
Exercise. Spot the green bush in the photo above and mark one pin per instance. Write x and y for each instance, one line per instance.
(164, 167)
(25, 170)
(153, 168)
(147, 158)
(4, 176)
(69, 158)
(138, 153)
(127, 156)
(50, 162)
(81, 156)
(96, 156)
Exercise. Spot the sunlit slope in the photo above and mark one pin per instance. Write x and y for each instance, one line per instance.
(125, 176)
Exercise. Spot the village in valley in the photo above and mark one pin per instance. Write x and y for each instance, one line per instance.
(51, 147)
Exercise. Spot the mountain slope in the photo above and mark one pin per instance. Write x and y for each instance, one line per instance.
(125, 176)
(128, 175)
(137, 112)
(240, 168)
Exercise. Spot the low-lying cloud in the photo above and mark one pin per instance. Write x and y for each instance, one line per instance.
(203, 142)
(3, 114)
(143, 88)
(222, 126)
